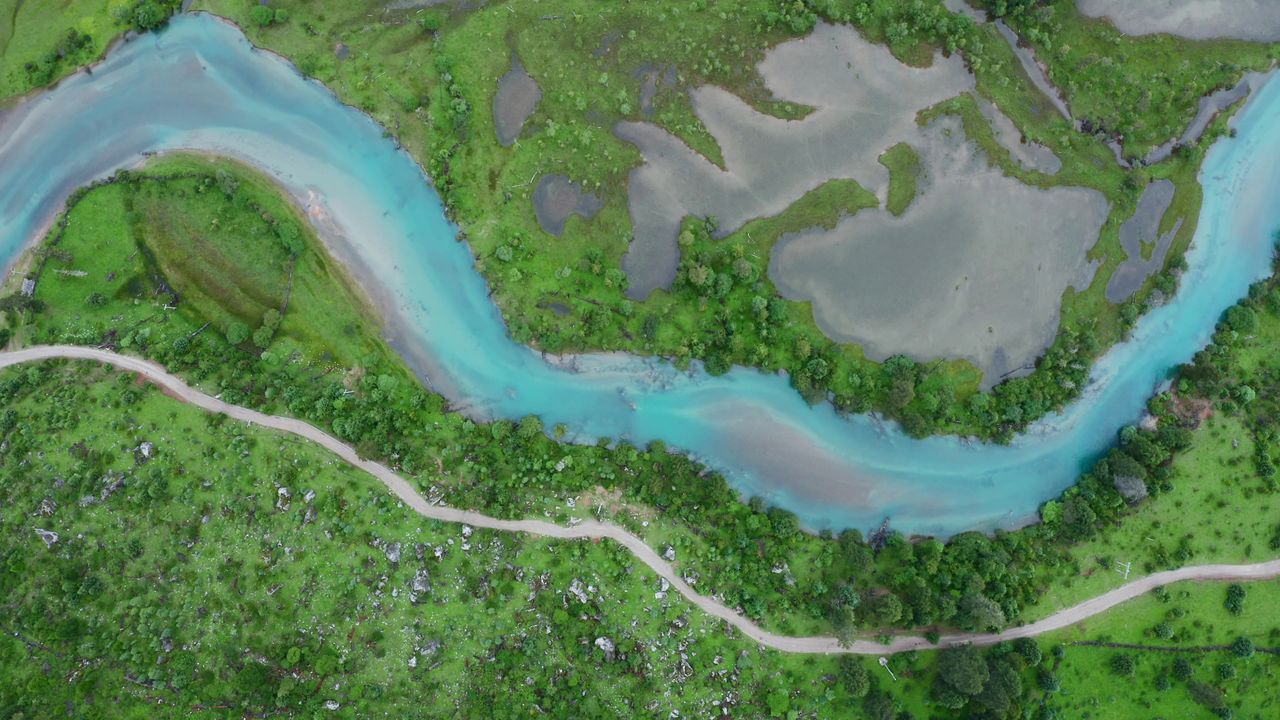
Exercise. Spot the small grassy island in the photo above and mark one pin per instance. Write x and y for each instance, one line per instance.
(157, 560)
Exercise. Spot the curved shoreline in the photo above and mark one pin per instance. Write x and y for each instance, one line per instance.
(592, 529)
(202, 86)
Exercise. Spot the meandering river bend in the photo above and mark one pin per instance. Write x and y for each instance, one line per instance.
(199, 85)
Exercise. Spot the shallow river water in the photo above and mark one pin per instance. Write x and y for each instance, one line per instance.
(199, 85)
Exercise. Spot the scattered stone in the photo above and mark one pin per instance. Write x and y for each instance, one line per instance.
(282, 498)
(311, 495)
(166, 644)
(331, 705)
(607, 646)
(146, 449)
(575, 589)
(421, 584)
(111, 483)
(310, 515)
(47, 507)
(392, 551)
(48, 536)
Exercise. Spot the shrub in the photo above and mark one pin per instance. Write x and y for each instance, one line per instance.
(262, 16)
(1123, 665)
(1235, 599)
(1242, 647)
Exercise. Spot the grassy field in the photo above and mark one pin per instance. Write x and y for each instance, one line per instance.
(904, 176)
(229, 569)
(192, 585)
(1201, 629)
(200, 245)
(42, 42)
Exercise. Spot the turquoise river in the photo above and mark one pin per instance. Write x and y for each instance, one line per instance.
(200, 85)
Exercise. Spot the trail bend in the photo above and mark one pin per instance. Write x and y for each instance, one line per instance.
(591, 529)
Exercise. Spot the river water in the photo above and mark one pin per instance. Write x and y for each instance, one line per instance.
(199, 85)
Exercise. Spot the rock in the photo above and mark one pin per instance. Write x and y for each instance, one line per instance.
(467, 530)
(331, 705)
(669, 554)
(47, 507)
(146, 449)
(392, 551)
(421, 581)
(311, 495)
(420, 551)
(607, 646)
(166, 644)
(282, 497)
(110, 484)
(48, 536)
(575, 589)
(310, 515)
(413, 661)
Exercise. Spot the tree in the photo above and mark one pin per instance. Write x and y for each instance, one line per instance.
(237, 332)
(1182, 668)
(1123, 665)
(1242, 319)
(1029, 650)
(1235, 599)
(262, 16)
(963, 668)
(1242, 647)
(149, 15)
(979, 612)
(854, 676)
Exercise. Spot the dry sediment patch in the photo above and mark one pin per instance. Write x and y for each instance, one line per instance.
(517, 97)
(1136, 234)
(556, 198)
(1195, 19)
(865, 102)
(975, 268)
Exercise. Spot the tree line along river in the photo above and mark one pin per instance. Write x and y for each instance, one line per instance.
(199, 85)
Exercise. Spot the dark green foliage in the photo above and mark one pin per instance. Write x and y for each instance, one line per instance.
(1242, 647)
(1235, 599)
(1123, 665)
(854, 676)
(963, 669)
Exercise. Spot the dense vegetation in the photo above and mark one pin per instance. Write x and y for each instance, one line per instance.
(156, 560)
(255, 311)
(430, 75)
(41, 42)
(103, 281)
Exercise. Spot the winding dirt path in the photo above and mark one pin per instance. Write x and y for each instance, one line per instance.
(639, 548)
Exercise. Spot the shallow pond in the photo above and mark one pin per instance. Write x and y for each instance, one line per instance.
(1196, 19)
(975, 267)
(199, 85)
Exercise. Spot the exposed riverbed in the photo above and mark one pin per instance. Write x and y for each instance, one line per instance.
(199, 85)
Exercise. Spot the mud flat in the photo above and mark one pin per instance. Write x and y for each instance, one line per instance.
(1195, 19)
(556, 198)
(975, 268)
(1136, 234)
(865, 100)
(517, 97)
(1031, 156)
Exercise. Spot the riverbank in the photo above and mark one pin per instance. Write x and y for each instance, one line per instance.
(589, 529)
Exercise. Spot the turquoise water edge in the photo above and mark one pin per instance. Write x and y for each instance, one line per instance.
(199, 85)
